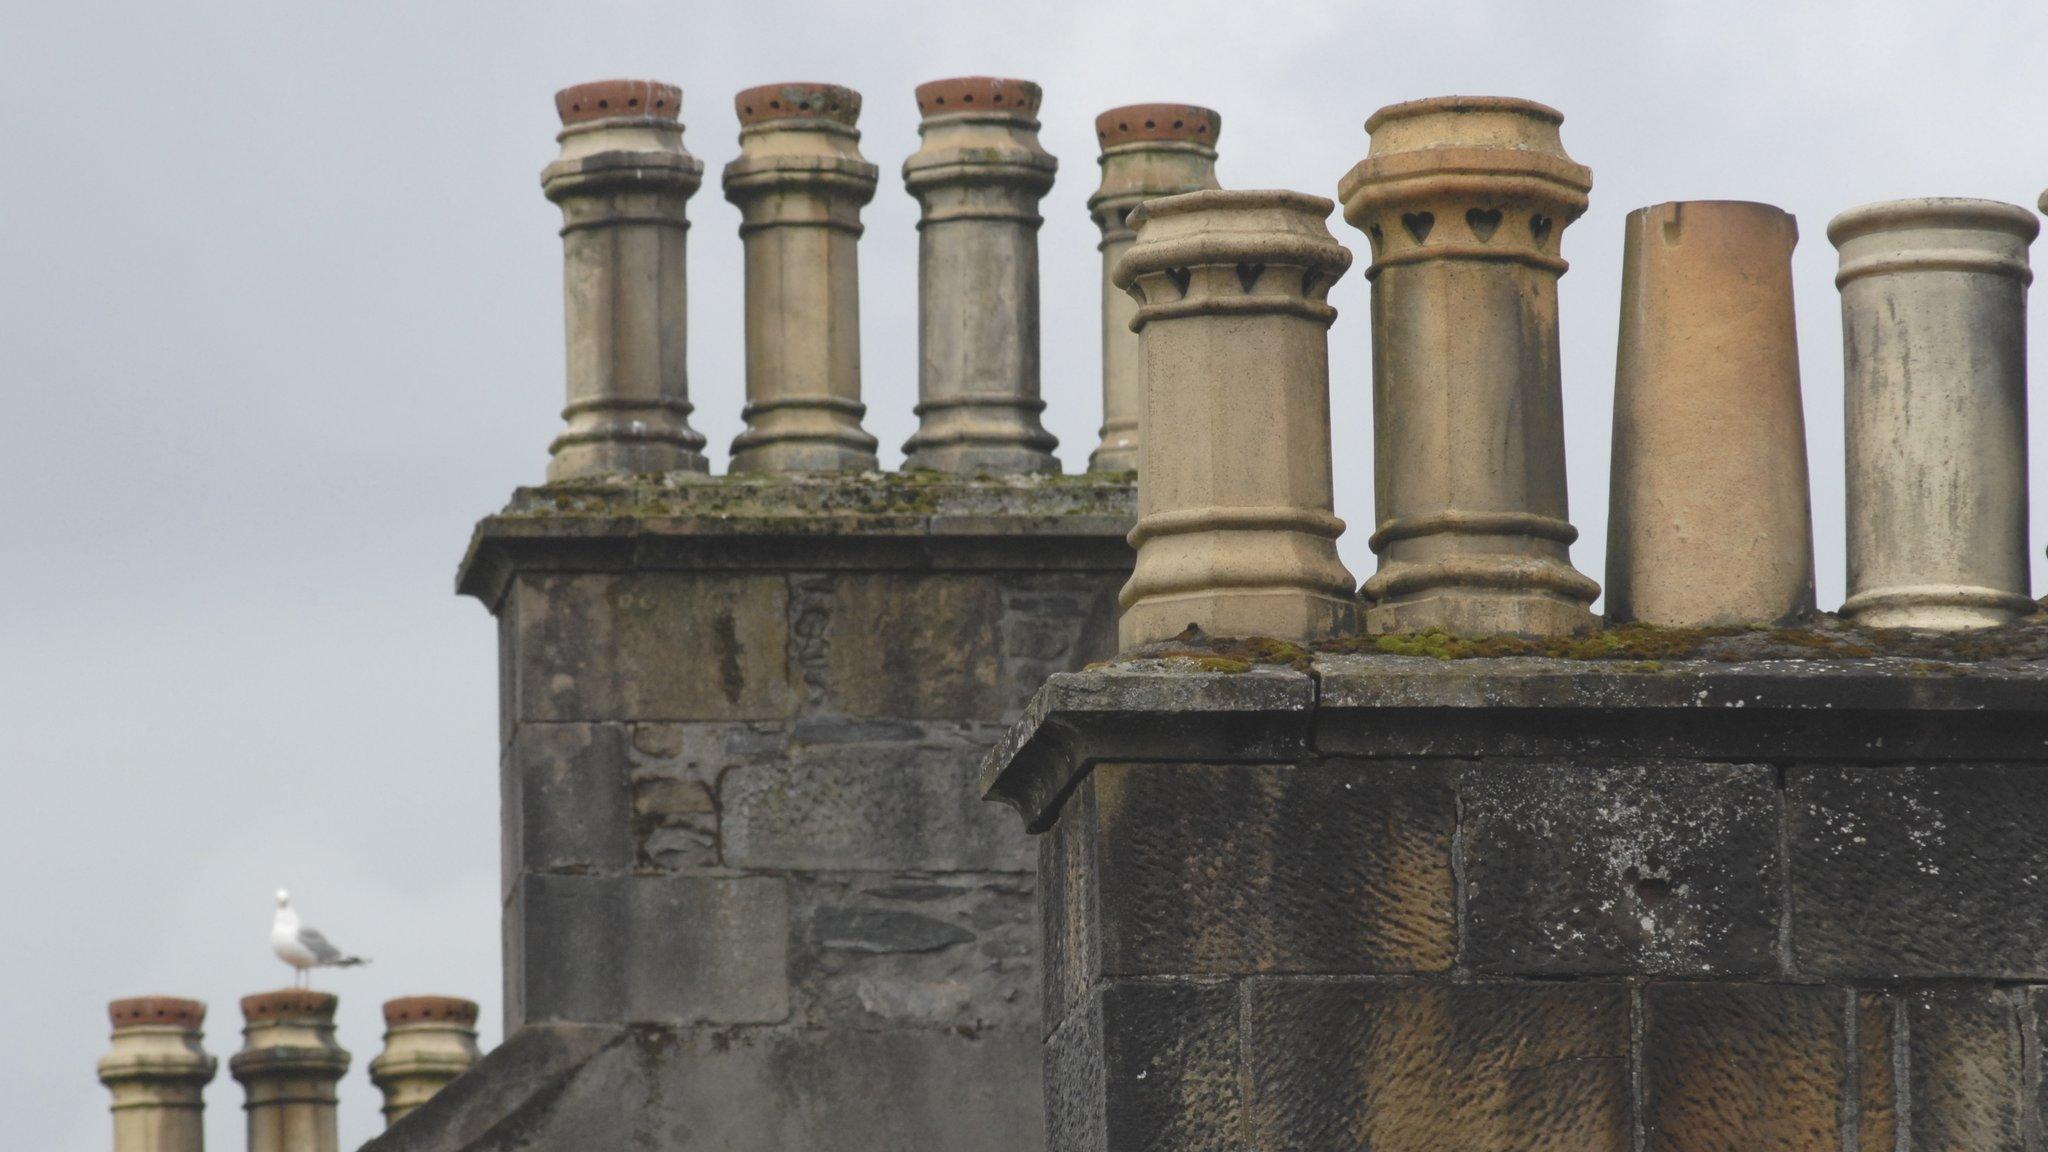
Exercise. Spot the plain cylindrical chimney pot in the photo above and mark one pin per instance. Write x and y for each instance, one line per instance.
(1709, 518)
(800, 182)
(157, 1071)
(1235, 533)
(288, 1066)
(1934, 352)
(1148, 151)
(978, 176)
(1465, 201)
(623, 181)
(428, 1041)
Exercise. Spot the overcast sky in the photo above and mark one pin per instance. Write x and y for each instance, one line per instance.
(280, 318)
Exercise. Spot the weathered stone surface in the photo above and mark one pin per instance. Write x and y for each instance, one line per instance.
(1875, 1090)
(1070, 915)
(914, 646)
(1657, 868)
(1169, 1068)
(504, 1102)
(1729, 1066)
(1076, 1104)
(952, 950)
(1965, 1069)
(900, 804)
(652, 646)
(647, 949)
(566, 800)
(1385, 1064)
(1233, 869)
(1956, 852)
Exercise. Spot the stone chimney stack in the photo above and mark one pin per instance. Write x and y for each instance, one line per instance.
(800, 182)
(428, 1041)
(158, 1074)
(288, 1067)
(623, 181)
(1709, 521)
(978, 177)
(1934, 350)
(1148, 151)
(1235, 533)
(1465, 200)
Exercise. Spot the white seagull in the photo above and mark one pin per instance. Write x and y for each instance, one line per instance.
(304, 948)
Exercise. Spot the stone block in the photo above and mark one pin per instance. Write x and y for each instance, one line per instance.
(565, 797)
(773, 1090)
(1743, 1066)
(1656, 868)
(650, 949)
(901, 804)
(1875, 1089)
(1075, 1107)
(1169, 1068)
(1919, 871)
(667, 645)
(906, 645)
(949, 950)
(1070, 917)
(1965, 1069)
(676, 770)
(1378, 1064)
(1231, 869)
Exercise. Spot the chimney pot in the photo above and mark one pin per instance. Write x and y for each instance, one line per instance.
(157, 1072)
(428, 1041)
(1148, 151)
(288, 1066)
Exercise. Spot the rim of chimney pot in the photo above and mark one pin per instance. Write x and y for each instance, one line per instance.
(611, 99)
(1191, 123)
(995, 95)
(289, 1004)
(797, 100)
(1440, 104)
(169, 1011)
(1933, 212)
(424, 1009)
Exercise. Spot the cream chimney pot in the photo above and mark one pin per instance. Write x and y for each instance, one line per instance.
(1934, 351)
(288, 1067)
(800, 182)
(157, 1072)
(623, 181)
(1235, 533)
(1465, 200)
(978, 176)
(1709, 519)
(1148, 151)
(428, 1041)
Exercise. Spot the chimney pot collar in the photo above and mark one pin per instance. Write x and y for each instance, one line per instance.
(797, 100)
(289, 1004)
(989, 95)
(420, 1009)
(610, 99)
(1137, 122)
(140, 1011)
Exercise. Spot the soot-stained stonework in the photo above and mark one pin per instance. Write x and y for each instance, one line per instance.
(1645, 904)
(745, 865)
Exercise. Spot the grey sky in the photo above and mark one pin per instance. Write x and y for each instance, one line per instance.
(280, 317)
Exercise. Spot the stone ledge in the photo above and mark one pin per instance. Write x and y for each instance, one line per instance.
(1261, 701)
(868, 520)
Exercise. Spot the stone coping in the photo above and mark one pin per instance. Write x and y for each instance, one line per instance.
(873, 519)
(1826, 693)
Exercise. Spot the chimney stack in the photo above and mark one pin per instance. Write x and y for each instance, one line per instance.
(428, 1041)
(800, 182)
(288, 1067)
(1235, 533)
(157, 1073)
(1148, 151)
(1709, 519)
(978, 177)
(1465, 200)
(623, 181)
(1934, 351)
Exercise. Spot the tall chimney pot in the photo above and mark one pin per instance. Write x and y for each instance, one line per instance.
(288, 1066)
(157, 1072)
(623, 181)
(800, 182)
(978, 177)
(428, 1041)
(1148, 151)
(1465, 200)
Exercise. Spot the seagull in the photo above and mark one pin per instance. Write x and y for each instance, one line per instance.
(304, 948)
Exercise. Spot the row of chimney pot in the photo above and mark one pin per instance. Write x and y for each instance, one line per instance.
(157, 1069)
(1215, 326)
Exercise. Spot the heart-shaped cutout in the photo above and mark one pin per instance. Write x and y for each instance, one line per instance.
(1418, 224)
(1248, 275)
(1539, 228)
(1483, 222)
(1181, 277)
